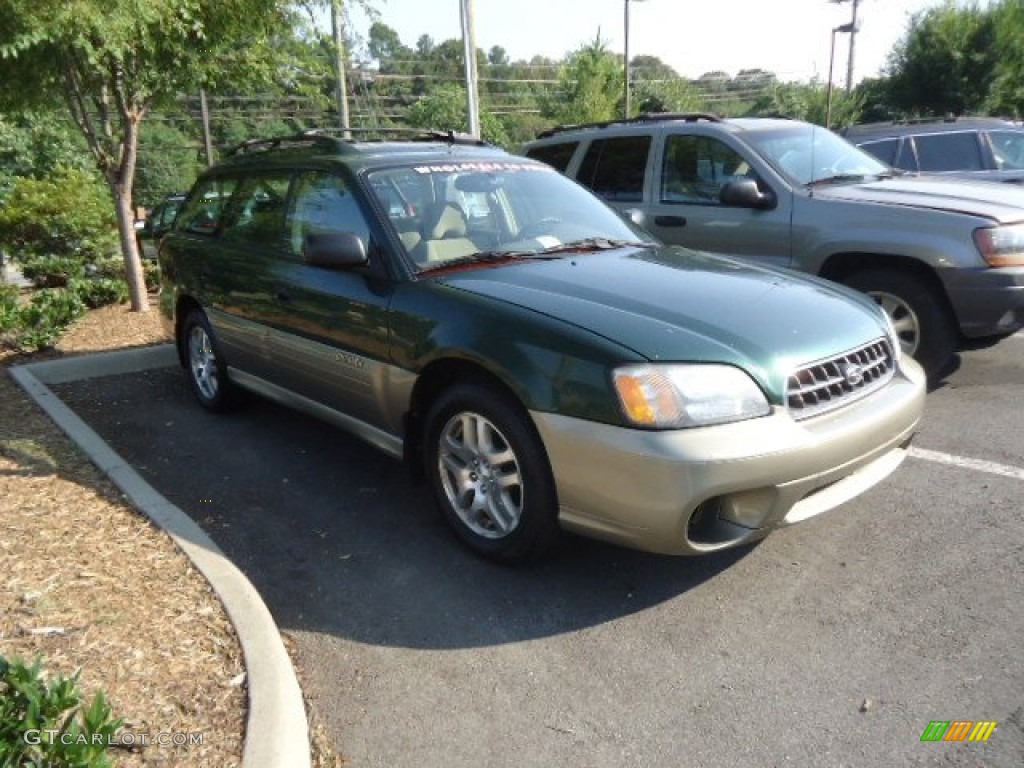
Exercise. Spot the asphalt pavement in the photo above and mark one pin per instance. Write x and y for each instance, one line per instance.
(832, 643)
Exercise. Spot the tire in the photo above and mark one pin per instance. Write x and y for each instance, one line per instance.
(920, 317)
(204, 364)
(490, 475)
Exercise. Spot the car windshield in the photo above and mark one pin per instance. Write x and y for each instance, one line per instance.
(809, 154)
(492, 211)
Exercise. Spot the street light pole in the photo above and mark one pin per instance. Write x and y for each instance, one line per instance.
(625, 56)
(831, 60)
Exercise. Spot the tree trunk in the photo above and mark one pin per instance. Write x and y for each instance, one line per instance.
(121, 179)
(130, 250)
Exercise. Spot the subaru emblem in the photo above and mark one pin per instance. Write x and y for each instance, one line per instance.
(853, 373)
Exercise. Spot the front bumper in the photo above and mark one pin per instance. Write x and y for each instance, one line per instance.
(688, 491)
(987, 302)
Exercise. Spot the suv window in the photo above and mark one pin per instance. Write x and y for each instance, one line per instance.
(949, 152)
(695, 168)
(884, 150)
(614, 168)
(557, 156)
(324, 204)
(257, 211)
(202, 212)
(1008, 149)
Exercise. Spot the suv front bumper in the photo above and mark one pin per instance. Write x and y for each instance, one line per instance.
(687, 491)
(988, 302)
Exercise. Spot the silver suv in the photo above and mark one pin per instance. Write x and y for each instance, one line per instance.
(980, 148)
(945, 258)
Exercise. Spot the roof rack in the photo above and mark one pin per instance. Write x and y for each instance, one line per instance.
(647, 117)
(409, 134)
(338, 139)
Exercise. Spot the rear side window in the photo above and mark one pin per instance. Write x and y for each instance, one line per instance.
(614, 168)
(949, 152)
(202, 212)
(555, 155)
(884, 150)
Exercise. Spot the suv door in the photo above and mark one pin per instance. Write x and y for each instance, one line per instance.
(330, 328)
(685, 206)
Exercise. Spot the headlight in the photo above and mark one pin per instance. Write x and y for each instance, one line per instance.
(673, 396)
(1001, 246)
(894, 339)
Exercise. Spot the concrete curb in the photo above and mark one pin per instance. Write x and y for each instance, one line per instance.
(276, 734)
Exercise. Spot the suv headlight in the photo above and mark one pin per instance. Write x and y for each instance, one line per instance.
(1001, 246)
(894, 339)
(674, 396)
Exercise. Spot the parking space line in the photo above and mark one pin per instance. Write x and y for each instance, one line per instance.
(978, 465)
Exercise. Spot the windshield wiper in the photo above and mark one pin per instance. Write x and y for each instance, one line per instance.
(839, 178)
(481, 257)
(597, 244)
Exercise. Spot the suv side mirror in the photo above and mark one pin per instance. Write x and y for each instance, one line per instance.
(745, 194)
(335, 250)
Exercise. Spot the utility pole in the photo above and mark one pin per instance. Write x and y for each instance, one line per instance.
(204, 114)
(469, 54)
(340, 89)
(853, 41)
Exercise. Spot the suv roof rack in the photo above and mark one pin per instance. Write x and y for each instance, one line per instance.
(341, 140)
(647, 117)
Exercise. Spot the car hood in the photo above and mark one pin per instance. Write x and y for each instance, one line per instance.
(1003, 203)
(672, 304)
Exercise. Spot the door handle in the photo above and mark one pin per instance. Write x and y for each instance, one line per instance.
(670, 221)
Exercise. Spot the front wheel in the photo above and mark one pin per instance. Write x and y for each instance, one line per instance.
(922, 322)
(490, 474)
(204, 364)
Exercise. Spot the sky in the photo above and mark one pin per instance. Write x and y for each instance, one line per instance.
(788, 37)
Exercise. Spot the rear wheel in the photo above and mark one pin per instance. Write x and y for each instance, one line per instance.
(490, 475)
(922, 322)
(204, 364)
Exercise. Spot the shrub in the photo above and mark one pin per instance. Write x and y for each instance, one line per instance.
(9, 313)
(68, 213)
(100, 291)
(31, 704)
(42, 321)
(52, 271)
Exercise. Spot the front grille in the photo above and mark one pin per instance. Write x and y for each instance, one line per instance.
(830, 384)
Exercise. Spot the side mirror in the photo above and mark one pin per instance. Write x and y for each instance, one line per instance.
(336, 250)
(634, 216)
(745, 194)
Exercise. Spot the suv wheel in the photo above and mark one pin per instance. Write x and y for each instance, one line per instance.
(204, 364)
(922, 324)
(489, 473)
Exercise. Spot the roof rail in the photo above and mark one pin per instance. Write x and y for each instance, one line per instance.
(335, 139)
(647, 117)
(410, 134)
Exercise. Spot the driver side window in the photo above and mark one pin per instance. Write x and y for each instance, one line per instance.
(695, 168)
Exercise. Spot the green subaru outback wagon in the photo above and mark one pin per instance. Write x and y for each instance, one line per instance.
(544, 364)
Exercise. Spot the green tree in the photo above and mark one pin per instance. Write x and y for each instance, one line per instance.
(590, 86)
(445, 109)
(1006, 91)
(659, 88)
(946, 61)
(110, 61)
(167, 162)
(809, 101)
